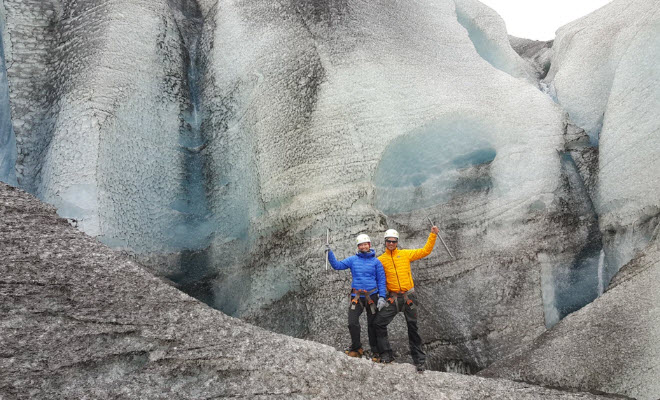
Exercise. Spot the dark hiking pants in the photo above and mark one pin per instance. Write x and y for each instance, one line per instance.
(387, 314)
(354, 324)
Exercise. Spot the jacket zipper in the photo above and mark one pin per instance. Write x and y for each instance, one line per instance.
(395, 271)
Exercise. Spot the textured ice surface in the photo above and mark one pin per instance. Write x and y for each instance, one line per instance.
(488, 33)
(605, 74)
(287, 127)
(629, 178)
(590, 52)
(290, 117)
(612, 345)
(87, 322)
(332, 115)
(570, 283)
(574, 286)
(602, 70)
(429, 165)
(99, 98)
(7, 138)
(538, 53)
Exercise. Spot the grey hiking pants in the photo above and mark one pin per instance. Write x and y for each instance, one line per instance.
(354, 324)
(387, 314)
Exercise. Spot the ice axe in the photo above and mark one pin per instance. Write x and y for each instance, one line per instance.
(327, 242)
(441, 239)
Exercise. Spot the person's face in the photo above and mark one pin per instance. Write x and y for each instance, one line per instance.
(390, 243)
(364, 247)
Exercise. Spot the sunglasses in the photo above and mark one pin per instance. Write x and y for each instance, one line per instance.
(391, 241)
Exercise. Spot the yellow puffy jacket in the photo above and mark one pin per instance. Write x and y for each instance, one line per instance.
(397, 265)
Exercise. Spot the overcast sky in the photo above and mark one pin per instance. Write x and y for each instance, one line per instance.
(539, 19)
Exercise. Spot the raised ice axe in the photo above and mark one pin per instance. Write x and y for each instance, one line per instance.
(443, 241)
(327, 242)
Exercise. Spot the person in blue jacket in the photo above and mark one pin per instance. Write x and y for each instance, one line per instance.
(368, 291)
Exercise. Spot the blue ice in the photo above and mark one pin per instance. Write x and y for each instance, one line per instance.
(580, 283)
(195, 227)
(428, 165)
(486, 47)
(576, 284)
(7, 137)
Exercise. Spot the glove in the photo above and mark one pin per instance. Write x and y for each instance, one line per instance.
(327, 248)
(381, 303)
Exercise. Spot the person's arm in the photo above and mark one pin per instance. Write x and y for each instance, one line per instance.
(380, 279)
(343, 264)
(416, 254)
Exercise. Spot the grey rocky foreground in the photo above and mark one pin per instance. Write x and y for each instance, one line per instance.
(81, 321)
(611, 345)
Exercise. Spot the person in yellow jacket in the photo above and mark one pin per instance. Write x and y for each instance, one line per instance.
(401, 295)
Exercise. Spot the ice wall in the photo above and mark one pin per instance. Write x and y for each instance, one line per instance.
(628, 195)
(612, 345)
(569, 283)
(487, 32)
(29, 41)
(7, 137)
(588, 54)
(232, 134)
(100, 97)
(362, 117)
(605, 75)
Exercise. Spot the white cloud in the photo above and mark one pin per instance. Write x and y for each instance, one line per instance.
(539, 19)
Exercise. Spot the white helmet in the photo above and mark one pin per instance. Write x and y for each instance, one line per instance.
(391, 233)
(363, 239)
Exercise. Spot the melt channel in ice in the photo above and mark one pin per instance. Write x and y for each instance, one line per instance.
(7, 137)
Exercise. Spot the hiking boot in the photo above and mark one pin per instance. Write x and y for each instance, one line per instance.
(420, 368)
(386, 358)
(375, 358)
(356, 353)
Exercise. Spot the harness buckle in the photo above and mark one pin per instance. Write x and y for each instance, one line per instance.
(368, 301)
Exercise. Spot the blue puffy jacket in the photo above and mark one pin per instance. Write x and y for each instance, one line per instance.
(366, 269)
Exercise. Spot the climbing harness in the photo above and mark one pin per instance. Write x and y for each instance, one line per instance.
(392, 296)
(368, 302)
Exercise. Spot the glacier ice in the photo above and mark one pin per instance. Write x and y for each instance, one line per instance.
(305, 121)
(278, 124)
(427, 166)
(571, 282)
(488, 33)
(230, 135)
(7, 137)
(104, 135)
(588, 53)
(604, 73)
(195, 231)
(538, 53)
(612, 345)
(630, 212)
